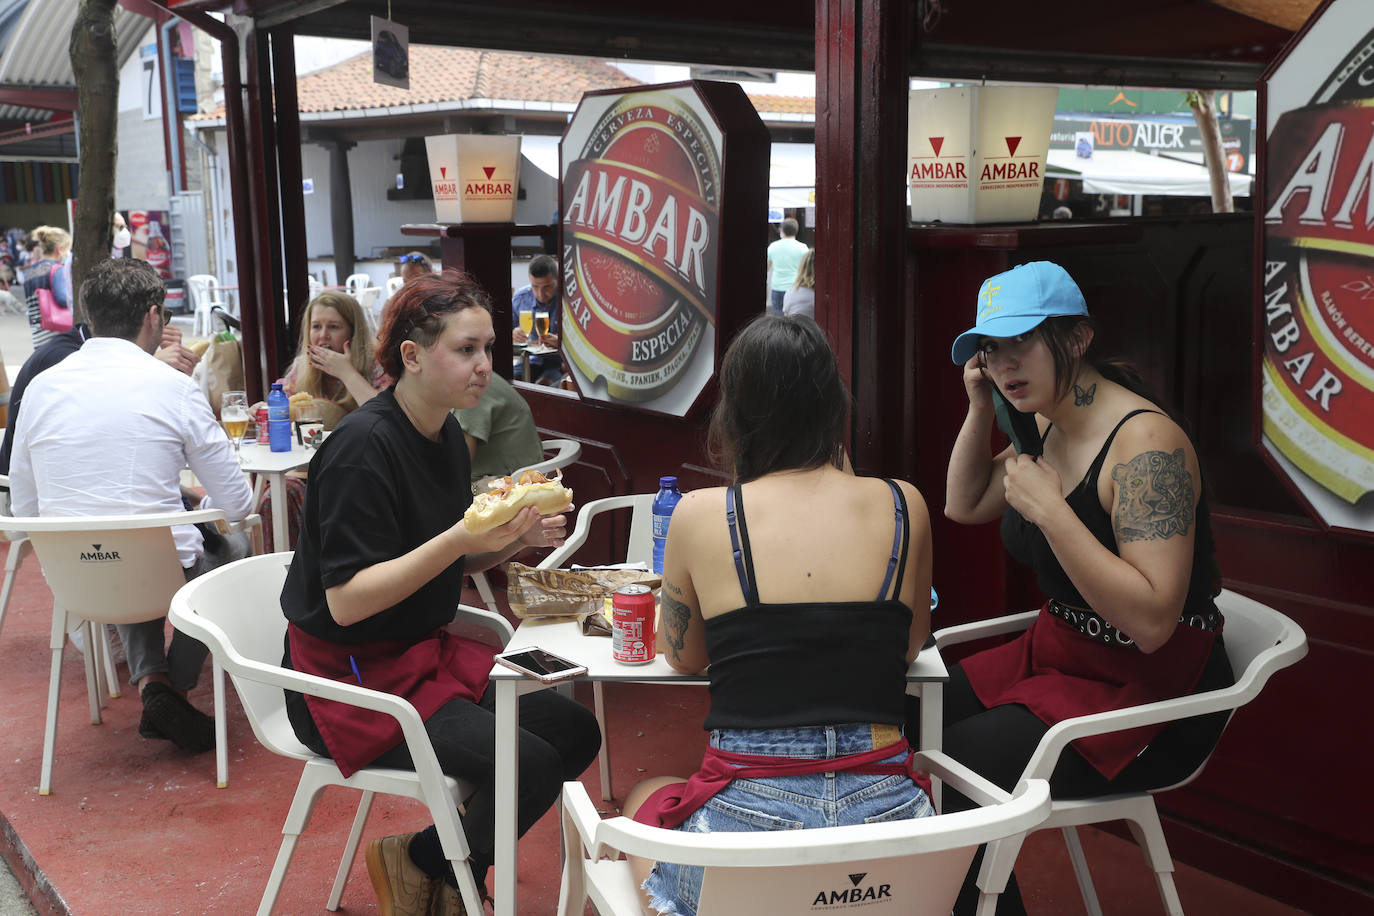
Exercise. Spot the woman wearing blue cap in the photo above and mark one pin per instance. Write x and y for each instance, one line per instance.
(1103, 499)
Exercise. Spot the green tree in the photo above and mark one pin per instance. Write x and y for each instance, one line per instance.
(92, 52)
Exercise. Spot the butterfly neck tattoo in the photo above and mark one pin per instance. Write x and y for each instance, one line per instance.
(1082, 397)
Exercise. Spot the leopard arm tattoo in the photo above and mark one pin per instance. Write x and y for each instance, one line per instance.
(676, 616)
(1154, 497)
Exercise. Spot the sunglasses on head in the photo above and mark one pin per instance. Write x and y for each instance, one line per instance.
(412, 259)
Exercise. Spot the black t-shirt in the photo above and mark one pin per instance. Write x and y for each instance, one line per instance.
(378, 489)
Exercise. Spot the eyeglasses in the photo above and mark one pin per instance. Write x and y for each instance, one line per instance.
(411, 259)
(166, 317)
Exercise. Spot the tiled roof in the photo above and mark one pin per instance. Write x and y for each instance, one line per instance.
(783, 105)
(441, 74)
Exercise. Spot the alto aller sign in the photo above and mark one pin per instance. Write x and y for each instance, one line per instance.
(1316, 306)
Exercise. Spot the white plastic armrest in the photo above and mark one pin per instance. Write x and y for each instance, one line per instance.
(249, 521)
(980, 629)
(560, 556)
(960, 778)
(584, 817)
(469, 616)
(1046, 756)
(400, 709)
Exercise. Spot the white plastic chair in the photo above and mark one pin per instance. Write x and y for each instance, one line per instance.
(1259, 641)
(20, 547)
(393, 284)
(105, 569)
(204, 293)
(910, 867)
(356, 283)
(235, 610)
(639, 549)
(566, 451)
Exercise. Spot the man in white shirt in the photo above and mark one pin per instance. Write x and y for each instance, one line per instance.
(107, 432)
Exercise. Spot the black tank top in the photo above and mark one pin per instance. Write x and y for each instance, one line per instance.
(809, 663)
(1027, 544)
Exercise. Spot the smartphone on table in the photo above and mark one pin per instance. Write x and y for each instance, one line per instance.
(541, 665)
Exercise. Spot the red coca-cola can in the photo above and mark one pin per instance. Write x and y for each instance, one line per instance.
(632, 625)
(261, 420)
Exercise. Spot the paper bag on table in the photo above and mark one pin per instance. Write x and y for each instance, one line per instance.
(569, 593)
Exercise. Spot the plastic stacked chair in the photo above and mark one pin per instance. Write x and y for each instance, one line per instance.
(205, 296)
(235, 610)
(911, 867)
(1259, 641)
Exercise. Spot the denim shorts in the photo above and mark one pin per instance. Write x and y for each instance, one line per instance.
(791, 802)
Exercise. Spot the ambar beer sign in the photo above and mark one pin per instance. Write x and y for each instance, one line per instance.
(1317, 303)
(643, 175)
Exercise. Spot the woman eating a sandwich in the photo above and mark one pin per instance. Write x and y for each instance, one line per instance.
(376, 576)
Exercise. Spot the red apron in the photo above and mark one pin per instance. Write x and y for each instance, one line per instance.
(671, 805)
(438, 668)
(1058, 673)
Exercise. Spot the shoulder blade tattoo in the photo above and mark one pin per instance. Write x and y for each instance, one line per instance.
(1154, 497)
(676, 616)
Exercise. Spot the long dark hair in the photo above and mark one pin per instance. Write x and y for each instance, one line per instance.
(783, 405)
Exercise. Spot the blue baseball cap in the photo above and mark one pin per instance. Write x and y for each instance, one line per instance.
(1016, 301)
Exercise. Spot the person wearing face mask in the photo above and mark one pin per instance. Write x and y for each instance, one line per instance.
(122, 237)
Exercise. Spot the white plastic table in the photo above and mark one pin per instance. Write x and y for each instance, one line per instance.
(272, 466)
(925, 678)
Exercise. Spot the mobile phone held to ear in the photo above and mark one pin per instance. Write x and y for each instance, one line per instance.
(1020, 427)
(541, 665)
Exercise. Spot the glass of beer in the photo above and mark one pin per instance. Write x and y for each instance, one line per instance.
(233, 413)
(527, 323)
(541, 325)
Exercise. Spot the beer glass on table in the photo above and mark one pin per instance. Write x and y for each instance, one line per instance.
(527, 324)
(541, 326)
(233, 413)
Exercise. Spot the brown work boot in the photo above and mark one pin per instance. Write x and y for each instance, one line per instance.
(447, 901)
(402, 888)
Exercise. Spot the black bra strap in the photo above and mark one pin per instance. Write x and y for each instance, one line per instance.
(901, 540)
(744, 561)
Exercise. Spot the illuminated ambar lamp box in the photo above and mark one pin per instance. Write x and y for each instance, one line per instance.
(475, 177)
(976, 154)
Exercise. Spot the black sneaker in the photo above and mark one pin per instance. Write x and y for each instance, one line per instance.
(168, 715)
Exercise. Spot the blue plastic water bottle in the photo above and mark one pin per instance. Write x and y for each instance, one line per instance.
(278, 420)
(664, 504)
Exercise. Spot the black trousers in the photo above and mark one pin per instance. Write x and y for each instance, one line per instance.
(997, 743)
(558, 738)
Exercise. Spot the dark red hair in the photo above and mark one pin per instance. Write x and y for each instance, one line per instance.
(417, 312)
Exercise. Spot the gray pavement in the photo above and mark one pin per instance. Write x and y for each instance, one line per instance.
(12, 899)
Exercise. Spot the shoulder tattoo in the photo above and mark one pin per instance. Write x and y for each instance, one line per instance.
(676, 616)
(1154, 497)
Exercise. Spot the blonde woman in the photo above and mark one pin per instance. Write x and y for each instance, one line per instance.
(801, 298)
(48, 272)
(335, 361)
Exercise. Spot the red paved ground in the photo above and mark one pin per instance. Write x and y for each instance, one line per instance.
(135, 826)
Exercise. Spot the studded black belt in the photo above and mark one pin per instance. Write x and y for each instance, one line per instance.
(1092, 625)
